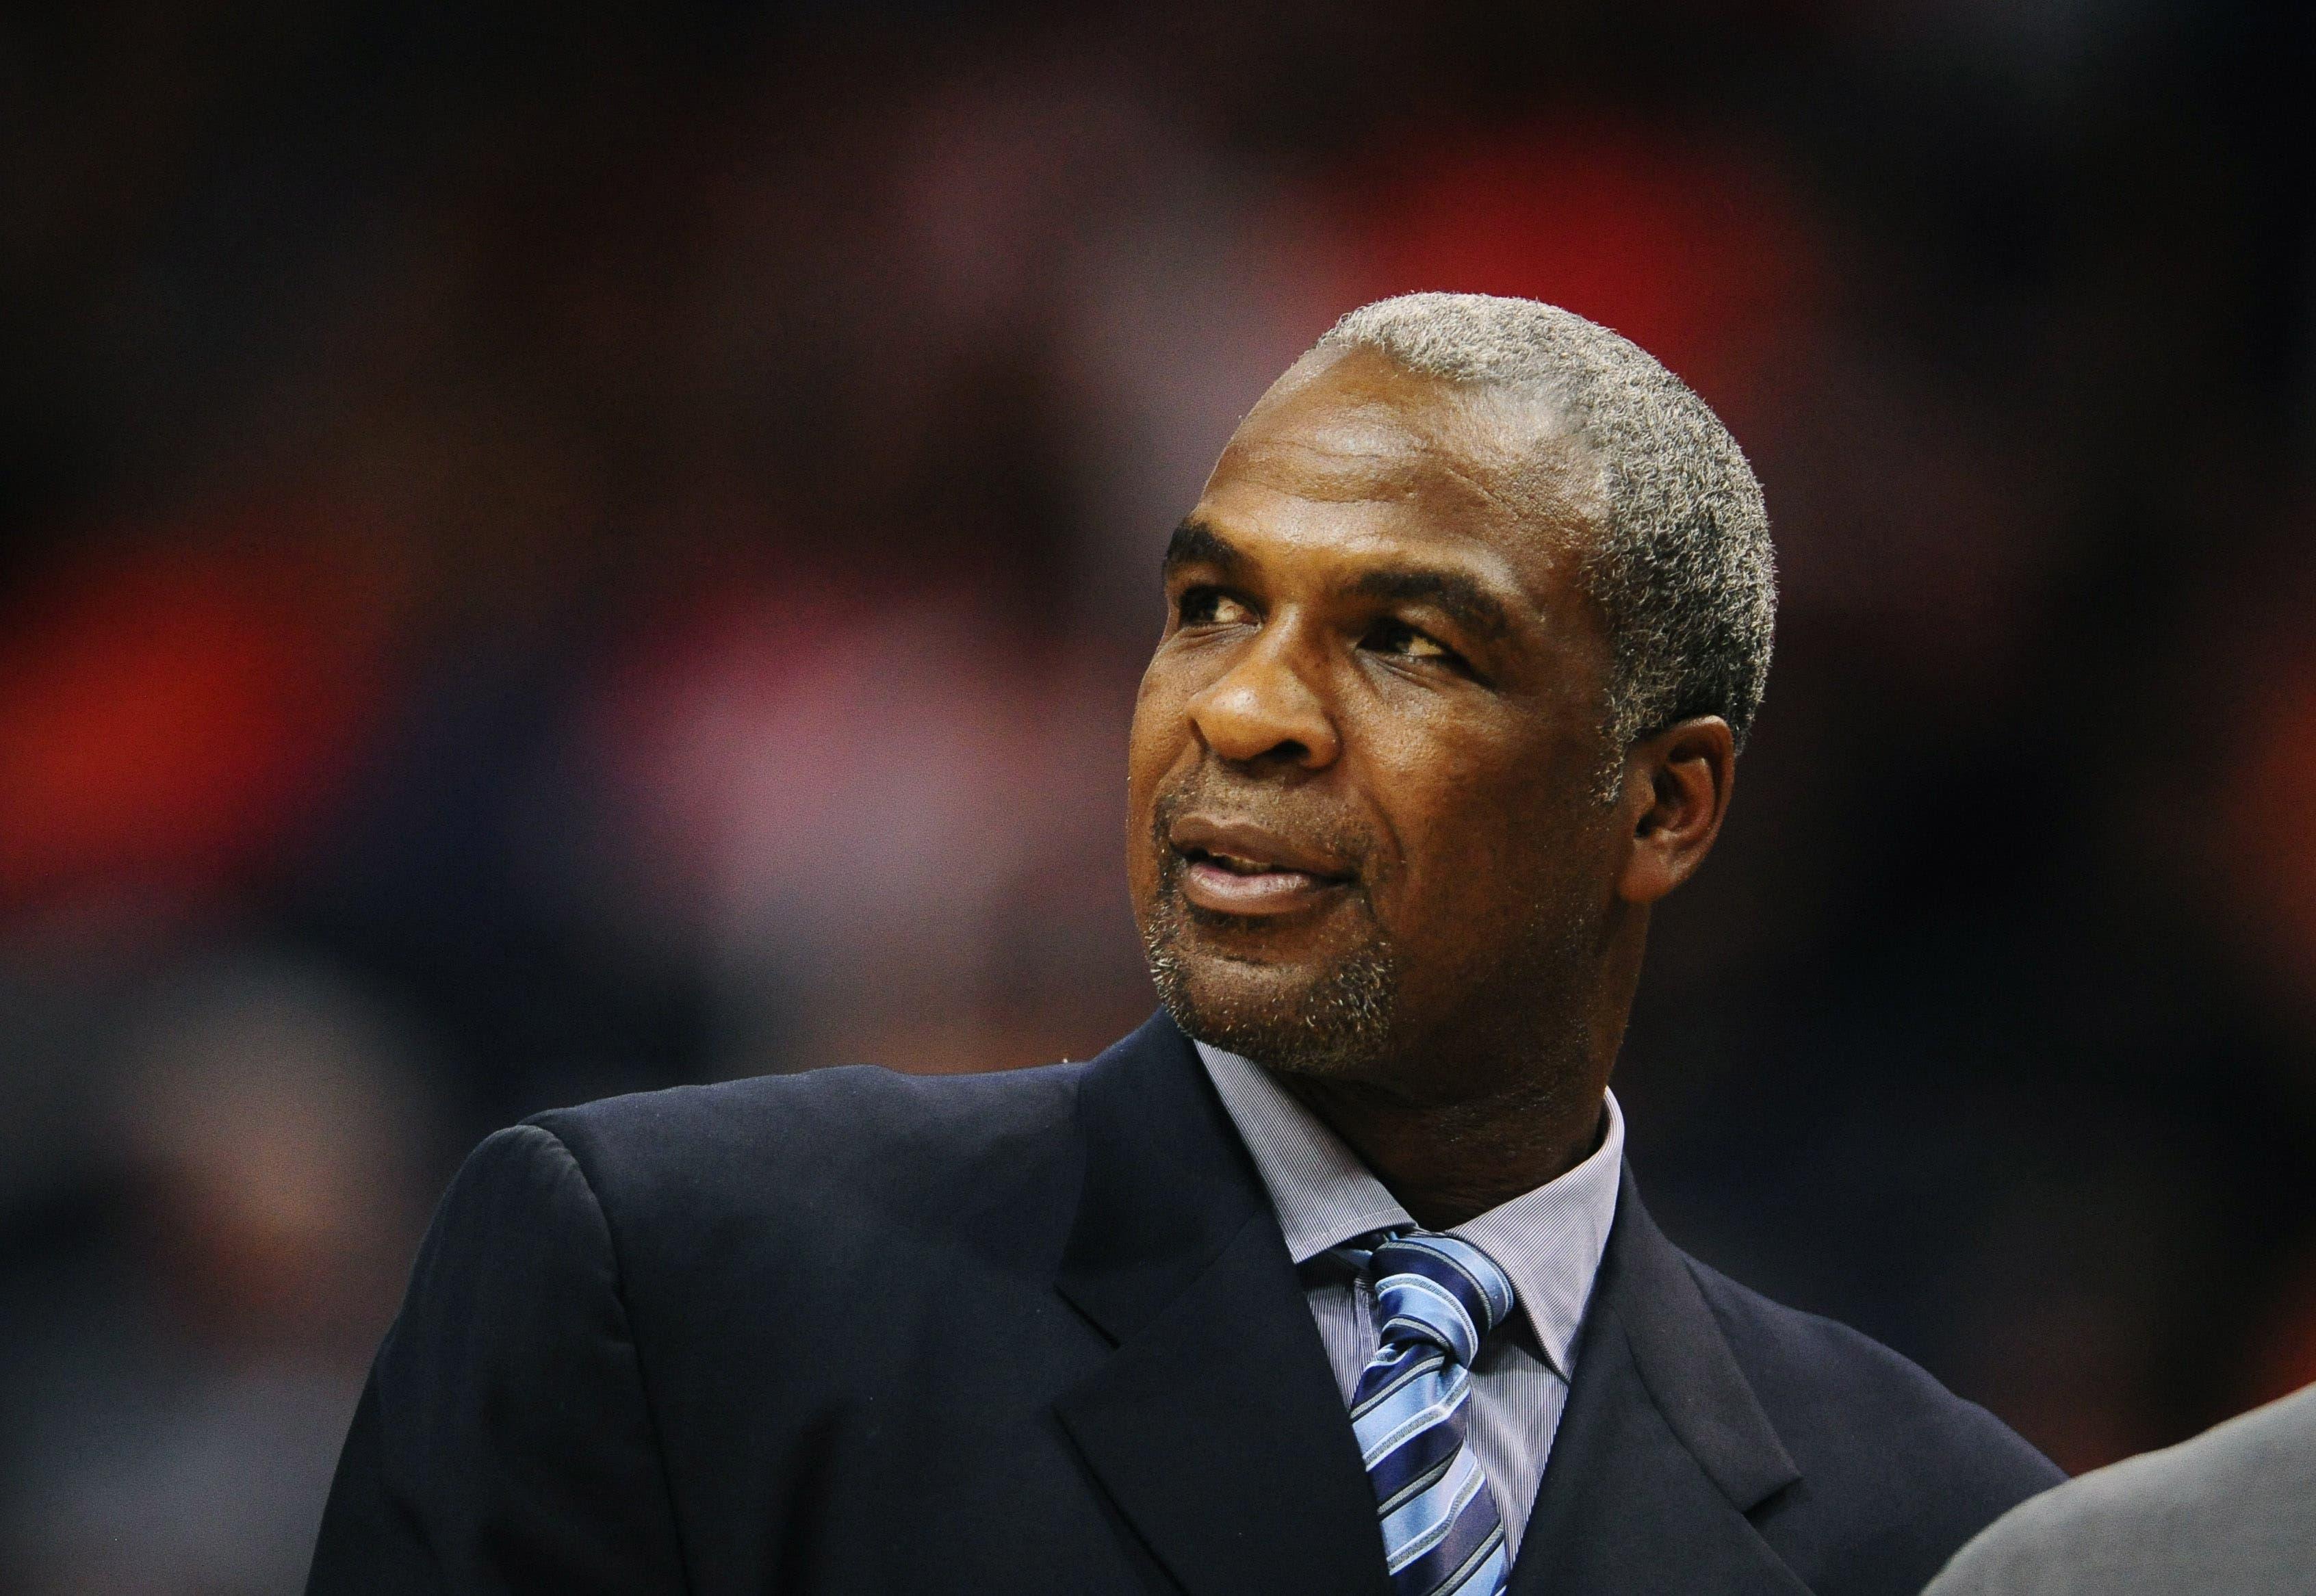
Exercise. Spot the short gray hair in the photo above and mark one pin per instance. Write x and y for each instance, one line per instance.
(1682, 570)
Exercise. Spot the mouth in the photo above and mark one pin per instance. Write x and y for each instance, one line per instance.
(1229, 868)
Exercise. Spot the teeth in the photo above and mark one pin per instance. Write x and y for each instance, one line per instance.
(1238, 866)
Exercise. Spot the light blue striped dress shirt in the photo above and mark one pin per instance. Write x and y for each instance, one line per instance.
(1548, 1240)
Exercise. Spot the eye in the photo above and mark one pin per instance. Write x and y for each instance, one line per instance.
(1211, 606)
(1398, 637)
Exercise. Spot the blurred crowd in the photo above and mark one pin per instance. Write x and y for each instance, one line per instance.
(557, 550)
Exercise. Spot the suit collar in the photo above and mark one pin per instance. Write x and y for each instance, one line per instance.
(1216, 1427)
(1167, 1184)
(1684, 1356)
(1664, 1448)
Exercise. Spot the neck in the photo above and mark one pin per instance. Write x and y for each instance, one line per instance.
(1496, 1111)
(1446, 1163)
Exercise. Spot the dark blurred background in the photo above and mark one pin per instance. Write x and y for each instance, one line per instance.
(561, 550)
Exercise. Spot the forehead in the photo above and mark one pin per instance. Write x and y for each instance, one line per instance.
(1349, 453)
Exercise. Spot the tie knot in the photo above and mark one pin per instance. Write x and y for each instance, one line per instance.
(1440, 1290)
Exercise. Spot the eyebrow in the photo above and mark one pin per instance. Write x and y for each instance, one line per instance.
(1195, 543)
(1455, 594)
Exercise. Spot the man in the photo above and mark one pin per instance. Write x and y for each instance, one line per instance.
(2232, 1511)
(1329, 1278)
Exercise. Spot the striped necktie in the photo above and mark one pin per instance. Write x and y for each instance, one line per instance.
(1437, 1297)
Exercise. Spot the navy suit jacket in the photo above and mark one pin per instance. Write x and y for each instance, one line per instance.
(855, 1330)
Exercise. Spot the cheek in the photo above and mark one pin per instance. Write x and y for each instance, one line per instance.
(1154, 742)
(1151, 739)
(1477, 827)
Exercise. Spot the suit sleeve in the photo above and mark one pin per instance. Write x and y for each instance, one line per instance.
(503, 1442)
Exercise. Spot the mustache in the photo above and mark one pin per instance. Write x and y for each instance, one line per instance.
(1332, 837)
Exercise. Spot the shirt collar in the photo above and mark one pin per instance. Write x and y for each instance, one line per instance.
(1549, 1242)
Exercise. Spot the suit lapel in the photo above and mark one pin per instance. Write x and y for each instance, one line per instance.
(1216, 1427)
(1664, 1448)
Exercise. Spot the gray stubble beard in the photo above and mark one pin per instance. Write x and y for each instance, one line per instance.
(1340, 1025)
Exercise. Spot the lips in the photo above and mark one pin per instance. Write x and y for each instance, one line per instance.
(1233, 867)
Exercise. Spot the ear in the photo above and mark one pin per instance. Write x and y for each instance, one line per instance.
(1676, 790)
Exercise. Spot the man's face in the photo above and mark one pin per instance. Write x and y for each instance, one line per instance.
(1363, 840)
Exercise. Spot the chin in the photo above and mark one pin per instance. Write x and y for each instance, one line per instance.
(1331, 1017)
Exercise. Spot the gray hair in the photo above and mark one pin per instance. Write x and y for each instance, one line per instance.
(1682, 570)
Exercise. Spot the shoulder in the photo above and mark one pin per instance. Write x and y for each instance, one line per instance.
(851, 1146)
(2230, 1507)
(1818, 1378)
(858, 1103)
(1903, 1468)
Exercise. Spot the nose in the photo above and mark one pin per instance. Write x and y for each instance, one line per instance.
(1264, 710)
